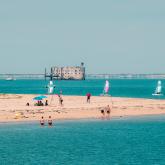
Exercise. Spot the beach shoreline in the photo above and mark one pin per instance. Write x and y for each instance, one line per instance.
(113, 118)
(13, 108)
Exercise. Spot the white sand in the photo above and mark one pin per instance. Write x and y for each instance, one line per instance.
(13, 107)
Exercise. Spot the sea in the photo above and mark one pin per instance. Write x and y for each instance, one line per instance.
(135, 88)
(119, 141)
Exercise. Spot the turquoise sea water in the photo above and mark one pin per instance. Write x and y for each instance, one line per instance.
(120, 141)
(137, 88)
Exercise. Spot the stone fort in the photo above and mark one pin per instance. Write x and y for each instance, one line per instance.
(69, 72)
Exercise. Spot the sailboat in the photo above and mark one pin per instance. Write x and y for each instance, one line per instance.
(50, 87)
(10, 79)
(106, 89)
(158, 91)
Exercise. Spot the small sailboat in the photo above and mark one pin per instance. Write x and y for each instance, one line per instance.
(50, 87)
(158, 91)
(10, 79)
(106, 89)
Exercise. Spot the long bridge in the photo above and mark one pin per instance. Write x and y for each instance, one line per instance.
(125, 76)
(22, 76)
(88, 76)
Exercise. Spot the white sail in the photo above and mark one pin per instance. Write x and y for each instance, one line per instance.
(158, 91)
(50, 87)
(158, 88)
(10, 79)
(106, 88)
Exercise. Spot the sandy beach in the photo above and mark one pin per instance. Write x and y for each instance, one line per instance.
(13, 107)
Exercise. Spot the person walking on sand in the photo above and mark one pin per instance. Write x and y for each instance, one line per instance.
(88, 97)
(50, 122)
(42, 121)
(108, 110)
(60, 100)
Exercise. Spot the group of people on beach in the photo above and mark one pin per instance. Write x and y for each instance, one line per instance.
(106, 112)
(50, 121)
(39, 103)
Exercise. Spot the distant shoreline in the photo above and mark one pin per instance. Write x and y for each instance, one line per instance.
(88, 76)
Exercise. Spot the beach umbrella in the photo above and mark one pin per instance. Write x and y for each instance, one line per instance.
(42, 96)
(37, 98)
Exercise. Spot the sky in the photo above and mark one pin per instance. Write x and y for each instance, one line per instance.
(109, 36)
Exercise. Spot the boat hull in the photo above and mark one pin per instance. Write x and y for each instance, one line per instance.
(105, 95)
(156, 94)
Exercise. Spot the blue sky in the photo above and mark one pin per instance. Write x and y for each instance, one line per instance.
(109, 36)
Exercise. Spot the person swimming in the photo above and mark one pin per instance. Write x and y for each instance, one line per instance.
(42, 122)
(50, 121)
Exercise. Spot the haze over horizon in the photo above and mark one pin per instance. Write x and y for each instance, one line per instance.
(108, 36)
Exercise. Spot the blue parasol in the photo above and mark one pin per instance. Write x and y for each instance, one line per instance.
(42, 96)
(37, 98)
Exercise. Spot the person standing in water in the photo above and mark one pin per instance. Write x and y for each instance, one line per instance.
(50, 122)
(42, 121)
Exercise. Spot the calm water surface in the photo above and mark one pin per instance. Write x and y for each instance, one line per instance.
(121, 87)
(119, 141)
